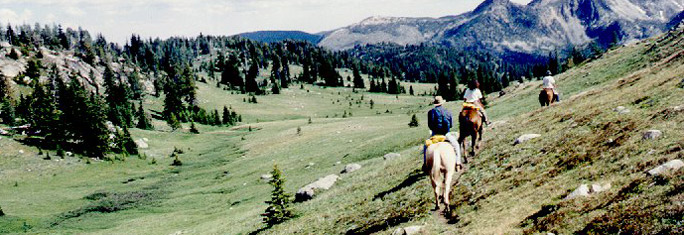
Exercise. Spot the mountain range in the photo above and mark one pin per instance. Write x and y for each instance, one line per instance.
(538, 28)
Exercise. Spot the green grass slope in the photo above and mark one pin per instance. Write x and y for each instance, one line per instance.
(507, 189)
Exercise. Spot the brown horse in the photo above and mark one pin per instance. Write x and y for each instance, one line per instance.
(470, 124)
(546, 97)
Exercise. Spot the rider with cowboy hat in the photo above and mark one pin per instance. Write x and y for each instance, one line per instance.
(440, 122)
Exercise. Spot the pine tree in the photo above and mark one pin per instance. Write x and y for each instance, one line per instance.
(358, 80)
(414, 121)
(228, 117)
(193, 128)
(278, 210)
(7, 112)
(144, 121)
(5, 87)
(173, 122)
(275, 89)
(127, 143)
(411, 90)
(13, 54)
(251, 83)
(33, 69)
(176, 160)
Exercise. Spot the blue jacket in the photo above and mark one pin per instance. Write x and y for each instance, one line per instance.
(435, 115)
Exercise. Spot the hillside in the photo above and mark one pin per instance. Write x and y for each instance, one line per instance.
(521, 188)
(501, 26)
(277, 36)
(507, 188)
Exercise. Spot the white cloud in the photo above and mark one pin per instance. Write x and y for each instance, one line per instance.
(10, 16)
(73, 11)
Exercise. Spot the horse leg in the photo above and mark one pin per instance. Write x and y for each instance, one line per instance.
(473, 143)
(461, 141)
(435, 186)
(449, 174)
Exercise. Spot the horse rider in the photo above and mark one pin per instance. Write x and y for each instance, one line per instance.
(550, 83)
(440, 122)
(473, 95)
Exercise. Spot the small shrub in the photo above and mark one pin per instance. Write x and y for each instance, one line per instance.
(2, 213)
(176, 160)
(193, 128)
(154, 161)
(47, 156)
(278, 207)
(414, 121)
(299, 130)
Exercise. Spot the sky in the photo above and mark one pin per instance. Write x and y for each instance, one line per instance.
(118, 19)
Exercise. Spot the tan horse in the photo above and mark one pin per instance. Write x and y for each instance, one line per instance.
(470, 124)
(546, 97)
(442, 162)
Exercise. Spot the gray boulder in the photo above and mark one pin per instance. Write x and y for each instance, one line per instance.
(525, 138)
(621, 110)
(304, 194)
(391, 156)
(141, 144)
(408, 230)
(597, 188)
(308, 192)
(351, 168)
(586, 191)
(581, 191)
(673, 165)
(266, 177)
(652, 134)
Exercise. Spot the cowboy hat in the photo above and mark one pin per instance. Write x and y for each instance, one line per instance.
(438, 100)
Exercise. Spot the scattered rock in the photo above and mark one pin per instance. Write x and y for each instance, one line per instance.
(525, 138)
(307, 192)
(4, 132)
(337, 163)
(597, 188)
(145, 139)
(351, 168)
(391, 156)
(678, 108)
(69, 154)
(652, 134)
(304, 194)
(671, 165)
(141, 144)
(21, 151)
(581, 191)
(408, 230)
(621, 110)
(585, 191)
(311, 164)
(266, 177)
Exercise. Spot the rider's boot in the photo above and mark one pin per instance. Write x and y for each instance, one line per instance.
(485, 119)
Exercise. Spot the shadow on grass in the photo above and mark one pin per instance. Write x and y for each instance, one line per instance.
(255, 232)
(412, 178)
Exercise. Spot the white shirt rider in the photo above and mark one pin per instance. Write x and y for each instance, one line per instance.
(549, 82)
(472, 96)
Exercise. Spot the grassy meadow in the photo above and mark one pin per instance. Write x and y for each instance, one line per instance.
(506, 189)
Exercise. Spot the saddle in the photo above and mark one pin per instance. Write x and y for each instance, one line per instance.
(472, 106)
(435, 139)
